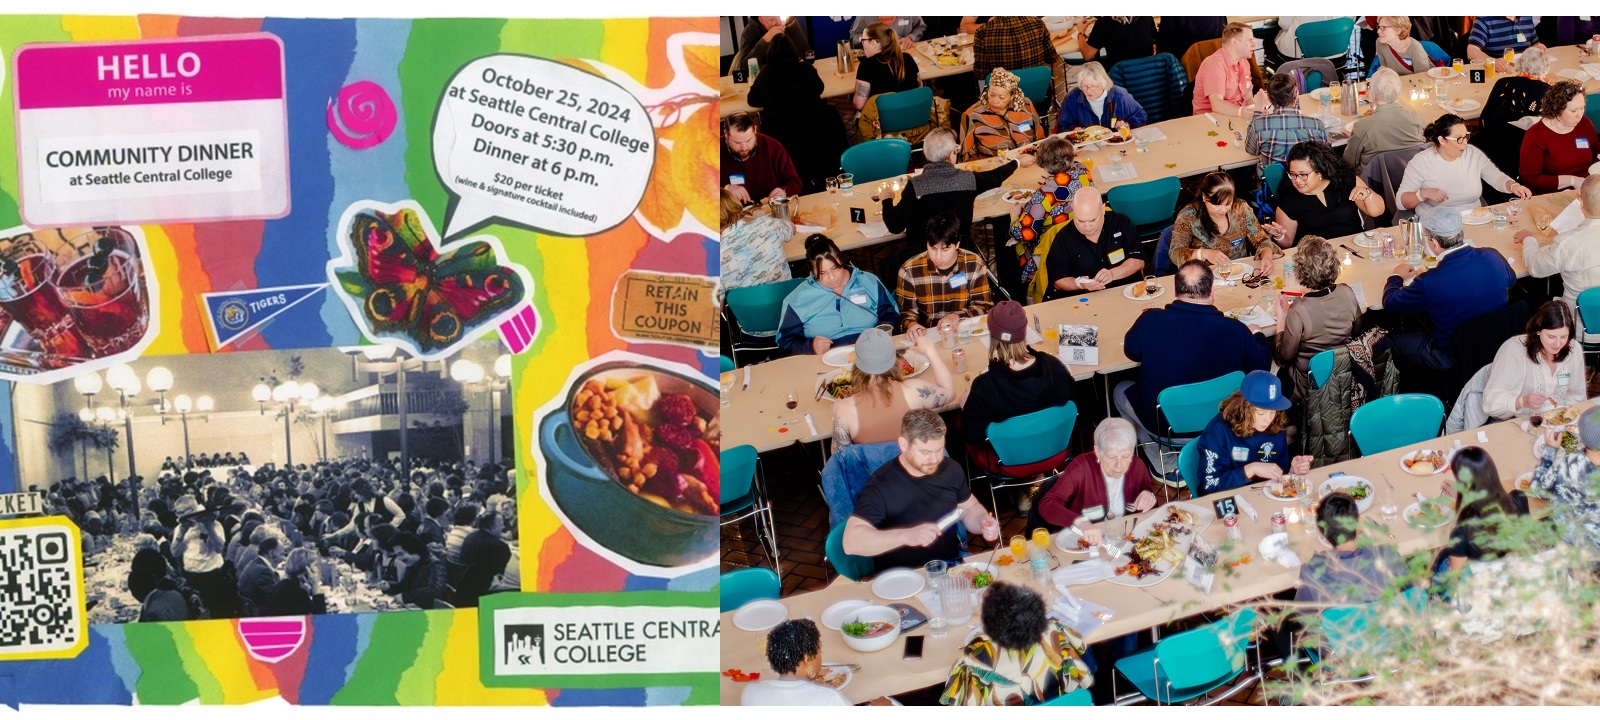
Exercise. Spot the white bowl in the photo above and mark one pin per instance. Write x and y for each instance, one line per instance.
(873, 613)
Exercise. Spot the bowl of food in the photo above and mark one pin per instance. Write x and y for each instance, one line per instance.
(632, 460)
(1562, 416)
(871, 628)
(1359, 489)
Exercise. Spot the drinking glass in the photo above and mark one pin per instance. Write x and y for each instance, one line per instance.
(728, 379)
(1499, 218)
(104, 289)
(1308, 514)
(791, 401)
(32, 298)
(1387, 506)
(1041, 537)
(1088, 175)
(1324, 100)
(847, 183)
(1458, 65)
(1440, 93)
(1335, 91)
(1510, 55)
(1141, 144)
(1514, 208)
(832, 184)
(1019, 548)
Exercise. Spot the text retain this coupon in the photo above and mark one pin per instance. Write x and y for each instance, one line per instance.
(176, 130)
(538, 144)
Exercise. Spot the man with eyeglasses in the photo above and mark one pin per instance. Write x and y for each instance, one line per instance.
(754, 165)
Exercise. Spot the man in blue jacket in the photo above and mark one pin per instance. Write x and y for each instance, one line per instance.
(1188, 341)
(1467, 283)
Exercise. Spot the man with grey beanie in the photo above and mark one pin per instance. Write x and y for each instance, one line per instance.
(1569, 480)
(1468, 282)
(880, 393)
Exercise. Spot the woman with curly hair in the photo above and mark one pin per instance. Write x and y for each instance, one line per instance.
(1004, 119)
(1245, 442)
(1049, 206)
(1558, 150)
(1021, 657)
(1325, 198)
(794, 650)
(1326, 316)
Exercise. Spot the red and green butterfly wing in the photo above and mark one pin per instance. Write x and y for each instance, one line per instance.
(468, 288)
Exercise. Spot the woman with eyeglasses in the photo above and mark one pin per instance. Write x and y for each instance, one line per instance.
(1446, 174)
(1558, 150)
(834, 305)
(1397, 50)
(1328, 199)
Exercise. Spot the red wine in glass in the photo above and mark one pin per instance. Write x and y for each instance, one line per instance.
(29, 295)
(105, 291)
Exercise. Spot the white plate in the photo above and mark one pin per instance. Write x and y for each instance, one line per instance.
(1368, 239)
(1524, 482)
(1241, 270)
(1203, 518)
(898, 584)
(1067, 542)
(1271, 544)
(1257, 314)
(1538, 440)
(838, 356)
(1467, 105)
(1271, 496)
(1441, 72)
(971, 569)
(976, 327)
(1017, 196)
(1415, 508)
(1469, 217)
(1127, 292)
(758, 615)
(1408, 456)
(833, 668)
(1332, 485)
(834, 616)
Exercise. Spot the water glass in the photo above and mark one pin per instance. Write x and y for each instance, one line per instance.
(832, 184)
(1499, 219)
(1440, 93)
(1324, 100)
(937, 570)
(847, 183)
(1141, 144)
(1387, 506)
(728, 379)
(1514, 208)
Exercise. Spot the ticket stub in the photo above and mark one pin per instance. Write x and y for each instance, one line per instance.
(665, 307)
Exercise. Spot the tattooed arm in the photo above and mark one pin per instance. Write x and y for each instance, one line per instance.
(841, 431)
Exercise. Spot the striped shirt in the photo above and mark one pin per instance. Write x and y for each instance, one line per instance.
(1271, 134)
(1496, 33)
(927, 293)
(984, 132)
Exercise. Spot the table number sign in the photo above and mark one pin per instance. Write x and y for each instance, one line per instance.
(1226, 506)
(1475, 76)
(858, 216)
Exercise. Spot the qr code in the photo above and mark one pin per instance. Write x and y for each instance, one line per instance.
(40, 575)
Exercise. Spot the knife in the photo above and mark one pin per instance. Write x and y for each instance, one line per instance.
(746, 378)
(810, 425)
(1353, 252)
(949, 519)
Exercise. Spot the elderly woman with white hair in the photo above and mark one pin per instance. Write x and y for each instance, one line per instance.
(1533, 62)
(1003, 119)
(1098, 102)
(1102, 485)
(1391, 126)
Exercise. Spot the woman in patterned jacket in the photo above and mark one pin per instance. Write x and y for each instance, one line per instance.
(1003, 120)
(1021, 657)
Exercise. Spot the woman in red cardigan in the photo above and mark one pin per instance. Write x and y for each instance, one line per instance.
(1105, 484)
(1558, 149)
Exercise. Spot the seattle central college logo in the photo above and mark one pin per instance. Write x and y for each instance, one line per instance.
(233, 314)
(522, 642)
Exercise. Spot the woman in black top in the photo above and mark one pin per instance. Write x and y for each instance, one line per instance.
(1323, 197)
(1124, 37)
(1472, 472)
(886, 68)
(789, 93)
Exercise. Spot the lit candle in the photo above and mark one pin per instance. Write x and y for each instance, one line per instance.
(1292, 514)
(1347, 258)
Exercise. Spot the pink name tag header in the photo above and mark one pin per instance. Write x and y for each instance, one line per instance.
(187, 70)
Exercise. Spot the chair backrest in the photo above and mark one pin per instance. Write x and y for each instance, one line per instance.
(738, 472)
(1324, 38)
(1274, 177)
(850, 566)
(759, 308)
(1035, 83)
(1318, 72)
(1589, 307)
(1591, 108)
(1162, 262)
(1188, 408)
(742, 586)
(904, 110)
(726, 364)
(877, 159)
(1147, 203)
(1321, 367)
(1384, 172)
(1437, 54)
(1397, 420)
(1189, 467)
(1080, 697)
(1156, 83)
(1347, 629)
(1206, 654)
(1035, 436)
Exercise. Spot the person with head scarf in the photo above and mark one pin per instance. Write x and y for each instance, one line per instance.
(1002, 120)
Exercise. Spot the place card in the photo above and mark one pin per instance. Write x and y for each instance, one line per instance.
(1199, 565)
(1080, 344)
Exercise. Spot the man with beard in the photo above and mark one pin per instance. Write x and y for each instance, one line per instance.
(896, 517)
(754, 165)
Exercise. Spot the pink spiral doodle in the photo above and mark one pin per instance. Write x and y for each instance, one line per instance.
(366, 115)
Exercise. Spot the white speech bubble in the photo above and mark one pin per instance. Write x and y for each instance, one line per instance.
(541, 145)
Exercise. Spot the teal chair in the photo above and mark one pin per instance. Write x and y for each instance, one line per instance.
(1396, 421)
(1032, 448)
(1035, 82)
(1189, 467)
(758, 310)
(902, 111)
(742, 586)
(1589, 307)
(727, 364)
(1185, 410)
(1324, 38)
(1591, 108)
(1274, 178)
(744, 498)
(876, 159)
(852, 567)
(1193, 663)
(1079, 698)
(1150, 205)
(1349, 632)
(1322, 366)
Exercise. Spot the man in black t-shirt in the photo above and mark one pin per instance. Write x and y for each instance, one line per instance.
(1100, 249)
(897, 514)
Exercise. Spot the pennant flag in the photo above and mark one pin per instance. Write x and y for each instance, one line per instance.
(235, 314)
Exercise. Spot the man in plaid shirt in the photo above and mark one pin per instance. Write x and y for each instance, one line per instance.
(1014, 42)
(944, 281)
(1273, 132)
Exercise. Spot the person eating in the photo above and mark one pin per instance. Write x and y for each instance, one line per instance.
(1467, 283)
(1274, 131)
(1100, 249)
(1326, 316)
(1558, 150)
(1218, 228)
(834, 305)
(1447, 173)
(1021, 656)
(1096, 101)
(794, 652)
(944, 284)
(1101, 485)
(1003, 120)
(1391, 126)
(1245, 442)
(755, 166)
(1539, 370)
(1327, 199)
(881, 394)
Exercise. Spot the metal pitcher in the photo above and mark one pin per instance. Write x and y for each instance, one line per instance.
(1347, 101)
(781, 209)
(844, 57)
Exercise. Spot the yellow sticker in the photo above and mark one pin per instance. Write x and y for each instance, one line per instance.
(1211, 133)
(45, 614)
(664, 307)
(1172, 165)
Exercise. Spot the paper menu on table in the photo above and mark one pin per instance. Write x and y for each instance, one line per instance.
(1116, 173)
(1149, 133)
(873, 230)
(1575, 74)
(1592, 68)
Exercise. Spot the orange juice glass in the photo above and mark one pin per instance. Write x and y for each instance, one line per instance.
(1041, 537)
(1019, 548)
(1458, 65)
(1510, 55)
(1088, 176)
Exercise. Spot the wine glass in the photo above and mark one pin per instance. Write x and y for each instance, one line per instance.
(1514, 208)
(791, 401)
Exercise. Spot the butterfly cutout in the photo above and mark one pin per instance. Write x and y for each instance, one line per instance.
(406, 287)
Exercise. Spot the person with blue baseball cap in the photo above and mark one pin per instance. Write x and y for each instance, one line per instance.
(1245, 442)
(1468, 282)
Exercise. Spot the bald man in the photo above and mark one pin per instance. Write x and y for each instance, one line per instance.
(1575, 254)
(1100, 249)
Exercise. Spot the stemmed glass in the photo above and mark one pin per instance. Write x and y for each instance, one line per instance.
(791, 401)
(1513, 208)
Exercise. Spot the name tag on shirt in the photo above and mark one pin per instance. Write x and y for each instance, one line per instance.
(1241, 454)
(1095, 514)
(1237, 241)
(859, 298)
(1025, 126)
(958, 280)
(1522, 38)
(735, 179)
(1564, 379)
(1583, 143)
(1116, 256)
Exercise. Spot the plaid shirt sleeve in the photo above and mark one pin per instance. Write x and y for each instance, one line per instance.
(979, 295)
(1270, 136)
(905, 292)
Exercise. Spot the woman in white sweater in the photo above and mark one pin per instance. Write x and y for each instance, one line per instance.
(1446, 174)
(1541, 370)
